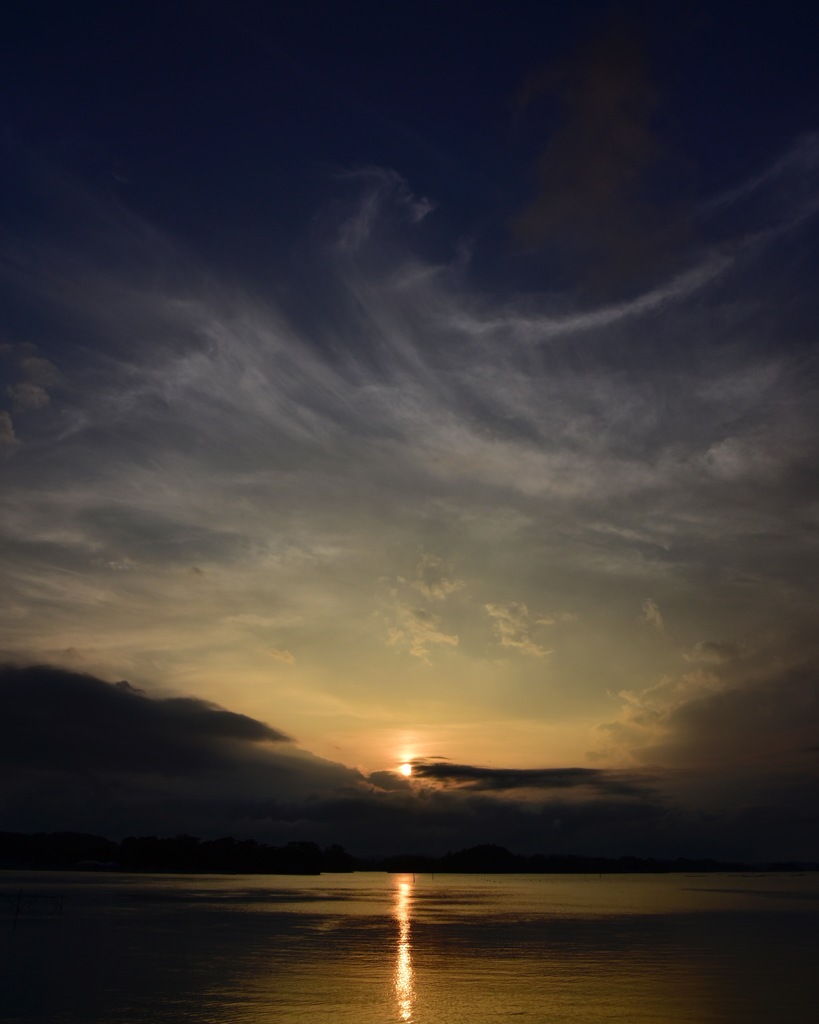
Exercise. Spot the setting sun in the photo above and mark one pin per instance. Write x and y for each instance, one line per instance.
(406, 769)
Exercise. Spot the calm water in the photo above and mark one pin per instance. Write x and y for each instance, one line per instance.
(374, 948)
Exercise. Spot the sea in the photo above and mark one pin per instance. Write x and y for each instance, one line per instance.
(374, 948)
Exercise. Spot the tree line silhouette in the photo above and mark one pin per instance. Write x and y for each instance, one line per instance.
(189, 854)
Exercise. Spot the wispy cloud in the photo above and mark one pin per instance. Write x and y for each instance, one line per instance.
(417, 631)
(512, 625)
(8, 439)
(712, 651)
(432, 578)
(651, 614)
(281, 655)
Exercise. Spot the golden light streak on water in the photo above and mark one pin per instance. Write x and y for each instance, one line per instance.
(404, 989)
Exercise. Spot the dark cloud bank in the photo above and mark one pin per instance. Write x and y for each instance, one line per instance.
(78, 753)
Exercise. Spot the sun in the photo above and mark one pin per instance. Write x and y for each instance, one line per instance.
(405, 769)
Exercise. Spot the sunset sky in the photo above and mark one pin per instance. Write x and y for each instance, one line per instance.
(431, 384)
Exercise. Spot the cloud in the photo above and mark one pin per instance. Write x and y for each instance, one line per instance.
(296, 452)
(512, 624)
(284, 656)
(740, 713)
(39, 371)
(432, 581)
(27, 395)
(82, 754)
(120, 565)
(712, 652)
(78, 752)
(771, 721)
(417, 631)
(522, 325)
(386, 191)
(480, 779)
(802, 156)
(55, 717)
(8, 439)
(390, 781)
(651, 614)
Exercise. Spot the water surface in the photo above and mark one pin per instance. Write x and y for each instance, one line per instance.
(370, 948)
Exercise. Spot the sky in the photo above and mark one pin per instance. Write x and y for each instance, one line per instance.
(430, 384)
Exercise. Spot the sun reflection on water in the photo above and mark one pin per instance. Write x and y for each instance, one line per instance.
(404, 990)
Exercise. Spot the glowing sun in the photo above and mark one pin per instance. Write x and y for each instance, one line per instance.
(405, 769)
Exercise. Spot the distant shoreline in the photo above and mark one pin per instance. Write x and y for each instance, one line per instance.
(75, 851)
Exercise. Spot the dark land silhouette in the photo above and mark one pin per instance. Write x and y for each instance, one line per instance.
(189, 854)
